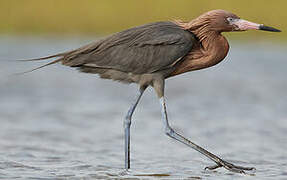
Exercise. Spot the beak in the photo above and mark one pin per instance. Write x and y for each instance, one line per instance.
(268, 28)
(244, 25)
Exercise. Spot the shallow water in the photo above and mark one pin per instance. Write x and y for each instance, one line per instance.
(57, 123)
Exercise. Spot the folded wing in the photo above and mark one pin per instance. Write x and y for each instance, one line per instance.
(143, 49)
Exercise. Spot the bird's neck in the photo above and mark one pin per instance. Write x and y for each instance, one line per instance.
(211, 49)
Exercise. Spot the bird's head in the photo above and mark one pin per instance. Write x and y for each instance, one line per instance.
(224, 21)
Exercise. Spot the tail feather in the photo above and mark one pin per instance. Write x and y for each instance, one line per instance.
(50, 63)
(43, 58)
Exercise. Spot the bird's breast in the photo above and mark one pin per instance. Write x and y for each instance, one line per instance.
(203, 56)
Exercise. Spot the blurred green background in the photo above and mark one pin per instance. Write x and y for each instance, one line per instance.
(101, 17)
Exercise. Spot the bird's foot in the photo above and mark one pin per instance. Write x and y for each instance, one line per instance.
(230, 167)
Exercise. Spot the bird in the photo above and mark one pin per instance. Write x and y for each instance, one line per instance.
(149, 54)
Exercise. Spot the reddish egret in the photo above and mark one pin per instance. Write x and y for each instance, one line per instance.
(150, 53)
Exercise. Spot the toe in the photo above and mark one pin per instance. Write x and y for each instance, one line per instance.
(212, 167)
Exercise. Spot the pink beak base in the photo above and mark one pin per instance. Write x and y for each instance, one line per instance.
(244, 25)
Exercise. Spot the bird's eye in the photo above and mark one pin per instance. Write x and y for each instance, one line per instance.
(230, 19)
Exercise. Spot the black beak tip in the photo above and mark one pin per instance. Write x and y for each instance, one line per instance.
(268, 28)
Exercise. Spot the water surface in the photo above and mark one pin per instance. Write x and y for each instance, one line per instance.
(57, 123)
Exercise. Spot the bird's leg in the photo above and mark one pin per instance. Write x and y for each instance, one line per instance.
(219, 162)
(127, 124)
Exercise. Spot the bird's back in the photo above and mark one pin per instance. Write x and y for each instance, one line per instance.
(123, 56)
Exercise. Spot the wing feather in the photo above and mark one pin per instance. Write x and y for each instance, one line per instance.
(144, 49)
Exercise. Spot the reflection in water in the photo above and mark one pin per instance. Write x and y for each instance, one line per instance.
(58, 123)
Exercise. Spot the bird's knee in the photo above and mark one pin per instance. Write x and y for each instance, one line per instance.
(127, 121)
(168, 131)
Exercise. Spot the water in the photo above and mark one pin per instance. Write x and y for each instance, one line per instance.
(57, 123)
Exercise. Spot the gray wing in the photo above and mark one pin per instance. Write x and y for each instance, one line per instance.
(143, 49)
